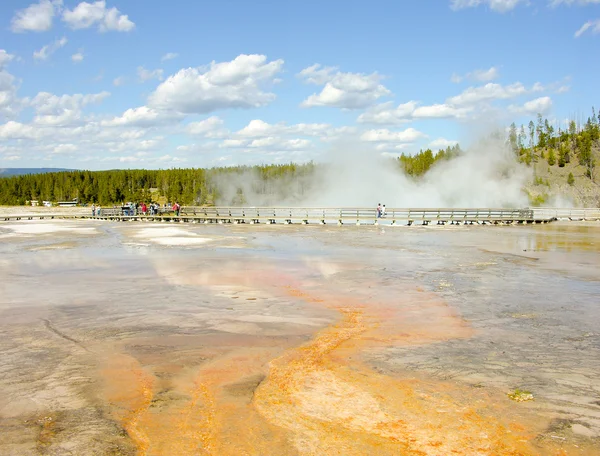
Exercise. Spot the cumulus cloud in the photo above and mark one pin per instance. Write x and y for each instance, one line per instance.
(78, 57)
(541, 105)
(478, 75)
(385, 135)
(490, 91)
(49, 49)
(145, 75)
(235, 84)
(119, 81)
(169, 56)
(211, 127)
(342, 90)
(554, 3)
(498, 6)
(142, 116)
(592, 26)
(10, 104)
(5, 58)
(442, 143)
(258, 136)
(387, 114)
(86, 15)
(259, 128)
(37, 17)
(63, 110)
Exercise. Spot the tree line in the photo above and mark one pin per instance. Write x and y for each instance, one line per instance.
(190, 186)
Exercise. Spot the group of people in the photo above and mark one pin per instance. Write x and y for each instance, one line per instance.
(380, 210)
(143, 208)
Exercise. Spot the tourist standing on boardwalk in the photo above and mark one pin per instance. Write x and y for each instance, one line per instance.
(378, 210)
(383, 211)
(93, 210)
(176, 209)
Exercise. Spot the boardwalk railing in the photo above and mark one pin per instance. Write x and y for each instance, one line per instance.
(344, 215)
(356, 215)
(589, 213)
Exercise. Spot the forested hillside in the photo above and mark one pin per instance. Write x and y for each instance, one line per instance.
(563, 164)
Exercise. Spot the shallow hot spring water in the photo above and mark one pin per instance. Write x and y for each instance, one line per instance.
(299, 340)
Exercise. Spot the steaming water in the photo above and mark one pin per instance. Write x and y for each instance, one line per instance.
(140, 339)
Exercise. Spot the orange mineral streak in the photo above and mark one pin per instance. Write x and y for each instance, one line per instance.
(332, 404)
(246, 395)
(130, 393)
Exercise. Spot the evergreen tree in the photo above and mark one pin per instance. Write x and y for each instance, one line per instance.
(551, 157)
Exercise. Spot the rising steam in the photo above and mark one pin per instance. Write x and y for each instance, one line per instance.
(351, 175)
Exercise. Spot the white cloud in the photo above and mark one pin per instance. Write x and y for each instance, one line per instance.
(386, 114)
(342, 90)
(37, 17)
(541, 105)
(554, 3)
(86, 15)
(385, 135)
(78, 57)
(10, 104)
(272, 143)
(233, 143)
(490, 91)
(142, 116)
(49, 49)
(64, 110)
(48, 103)
(210, 128)
(146, 75)
(5, 58)
(169, 56)
(65, 148)
(259, 129)
(234, 84)
(119, 81)
(16, 130)
(442, 143)
(440, 111)
(499, 6)
(170, 158)
(478, 75)
(592, 26)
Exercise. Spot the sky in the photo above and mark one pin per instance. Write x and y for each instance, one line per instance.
(155, 84)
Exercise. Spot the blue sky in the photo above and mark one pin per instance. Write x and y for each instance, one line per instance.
(154, 84)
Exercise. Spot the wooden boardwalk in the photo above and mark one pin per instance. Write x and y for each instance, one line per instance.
(340, 216)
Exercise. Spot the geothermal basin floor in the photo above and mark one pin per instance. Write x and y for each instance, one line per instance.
(276, 340)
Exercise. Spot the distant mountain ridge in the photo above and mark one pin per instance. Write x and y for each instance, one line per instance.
(7, 172)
